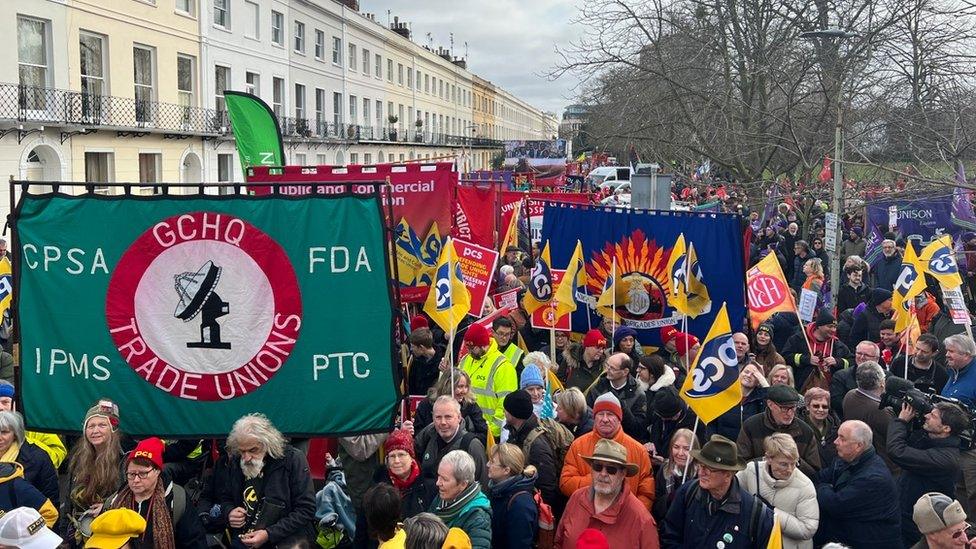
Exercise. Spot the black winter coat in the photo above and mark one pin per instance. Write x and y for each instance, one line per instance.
(927, 465)
(541, 455)
(286, 480)
(689, 524)
(858, 504)
(39, 471)
(661, 430)
(797, 356)
(633, 402)
(867, 326)
(729, 423)
(886, 270)
(850, 297)
(584, 426)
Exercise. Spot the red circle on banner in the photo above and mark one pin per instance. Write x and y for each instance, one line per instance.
(766, 293)
(204, 306)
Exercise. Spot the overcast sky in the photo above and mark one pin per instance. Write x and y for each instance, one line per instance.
(510, 42)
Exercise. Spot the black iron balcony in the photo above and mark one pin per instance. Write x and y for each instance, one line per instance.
(71, 108)
(396, 134)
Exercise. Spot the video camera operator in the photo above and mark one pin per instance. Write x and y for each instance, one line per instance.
(960, 356)
(929, 454)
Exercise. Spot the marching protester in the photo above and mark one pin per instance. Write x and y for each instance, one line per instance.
(572, 411)
(715, 509)
(576, 472)
(403, 471)
(446, 434)
(867, 325)
(14, 447)
(473, 419)
(503, 332)
(526, 433)
(960, 356)
(531, 381)
(492, 375)
(928, 458)
(863, 403)
(653, 374)
(780, 417)
(49, 442)
(764, 348)
(584, 362)
(753, 402)
(511, 486)
(607, 505)
(925, 369)
(669, 413)
(619, 380)
(776, 480)
(425, 358)
(170, 519)
(625, 341)
(460, 501)
(268, 498)
(857, 494)
(674, 471)
(815, 362)
(941, 521)
(95, 467)
(845, 381)
(824, 421)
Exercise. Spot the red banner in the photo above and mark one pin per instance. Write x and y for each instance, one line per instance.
(507, 299)
(421, 195)
(474, 215)
(477, 268)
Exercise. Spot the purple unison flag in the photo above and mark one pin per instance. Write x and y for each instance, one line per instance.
(962, 205)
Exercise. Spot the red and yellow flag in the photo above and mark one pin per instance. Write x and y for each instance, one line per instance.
(767, 290)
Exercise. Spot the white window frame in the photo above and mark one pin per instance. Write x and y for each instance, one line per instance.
(299, 37)
(300, 110)
(192, 92)
(278, 103)
(366, 61)
(191, 8)
(337, 51)
(218, 95)
(319, 45)
(352, 57)
(221, 6)
(253, 88)
(379, 66)
(252, 9)
(278, 27)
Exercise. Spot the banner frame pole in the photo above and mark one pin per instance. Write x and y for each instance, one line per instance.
(694, 437)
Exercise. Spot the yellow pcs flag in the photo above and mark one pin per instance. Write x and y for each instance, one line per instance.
(767, 290)
(449, 299)
(605, 304)
(712, 386)
(6, 285)
(540, 283)
(937, 259)
(688, 294)
(678, 291)
(574, 277)
(910, 283)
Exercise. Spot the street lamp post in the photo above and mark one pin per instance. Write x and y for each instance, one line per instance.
(838, 193)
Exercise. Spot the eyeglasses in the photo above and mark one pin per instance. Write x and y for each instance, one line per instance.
(961, 531)
(865, 355)
(610, 469)
(141, 474)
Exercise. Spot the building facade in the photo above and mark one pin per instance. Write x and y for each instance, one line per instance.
(103, 91)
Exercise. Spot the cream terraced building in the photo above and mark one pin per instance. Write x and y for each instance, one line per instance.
(112, 91)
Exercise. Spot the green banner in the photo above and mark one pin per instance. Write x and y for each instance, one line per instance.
(256, 130)
(191, 311)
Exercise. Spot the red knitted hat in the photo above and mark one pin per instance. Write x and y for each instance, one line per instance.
(595, 338)
(667, 334)
(150, 449)
(399, 440)
(684, 342)
(418, 322)
(608, 402)
(591, 538)
(477, 335)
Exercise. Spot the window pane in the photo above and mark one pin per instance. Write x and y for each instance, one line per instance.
(91, 55)
(30, 42)
(142, 63)
(184, 74)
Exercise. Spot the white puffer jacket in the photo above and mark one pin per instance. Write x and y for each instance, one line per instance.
(795, 500)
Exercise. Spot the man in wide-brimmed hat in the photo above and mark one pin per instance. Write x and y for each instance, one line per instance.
(606, 505)
(714, 511)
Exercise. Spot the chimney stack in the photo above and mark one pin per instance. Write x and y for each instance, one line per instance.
(351, 4)
(403, 29)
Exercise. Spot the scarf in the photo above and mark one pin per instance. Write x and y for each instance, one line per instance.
(403, 485)
(11, 454)
(159, 515)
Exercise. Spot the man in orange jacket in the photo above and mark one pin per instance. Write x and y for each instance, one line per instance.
(607, 416)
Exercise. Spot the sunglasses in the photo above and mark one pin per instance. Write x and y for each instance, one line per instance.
(819, 406)
(962, 532)
(610, 469)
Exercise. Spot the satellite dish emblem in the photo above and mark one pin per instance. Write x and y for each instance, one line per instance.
(198, 297)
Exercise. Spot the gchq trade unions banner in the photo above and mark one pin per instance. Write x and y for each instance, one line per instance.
(190, 312)
(641, 244)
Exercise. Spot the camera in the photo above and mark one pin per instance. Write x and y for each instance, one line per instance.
(900, 391)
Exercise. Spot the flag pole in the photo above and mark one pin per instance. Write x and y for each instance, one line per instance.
(450, 339)
(613, 292)
(694, 437)
(908, 337)
(684, 326)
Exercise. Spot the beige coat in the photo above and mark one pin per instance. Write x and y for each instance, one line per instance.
(795, 500)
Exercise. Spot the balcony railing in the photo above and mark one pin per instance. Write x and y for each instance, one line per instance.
(72, 108)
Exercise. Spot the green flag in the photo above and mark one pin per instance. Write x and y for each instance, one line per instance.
(256, 130)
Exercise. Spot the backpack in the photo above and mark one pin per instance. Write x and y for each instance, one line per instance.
(755, 517)
(545, 534)
(559, 437)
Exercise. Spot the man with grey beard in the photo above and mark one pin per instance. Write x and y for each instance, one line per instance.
(268, 499)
